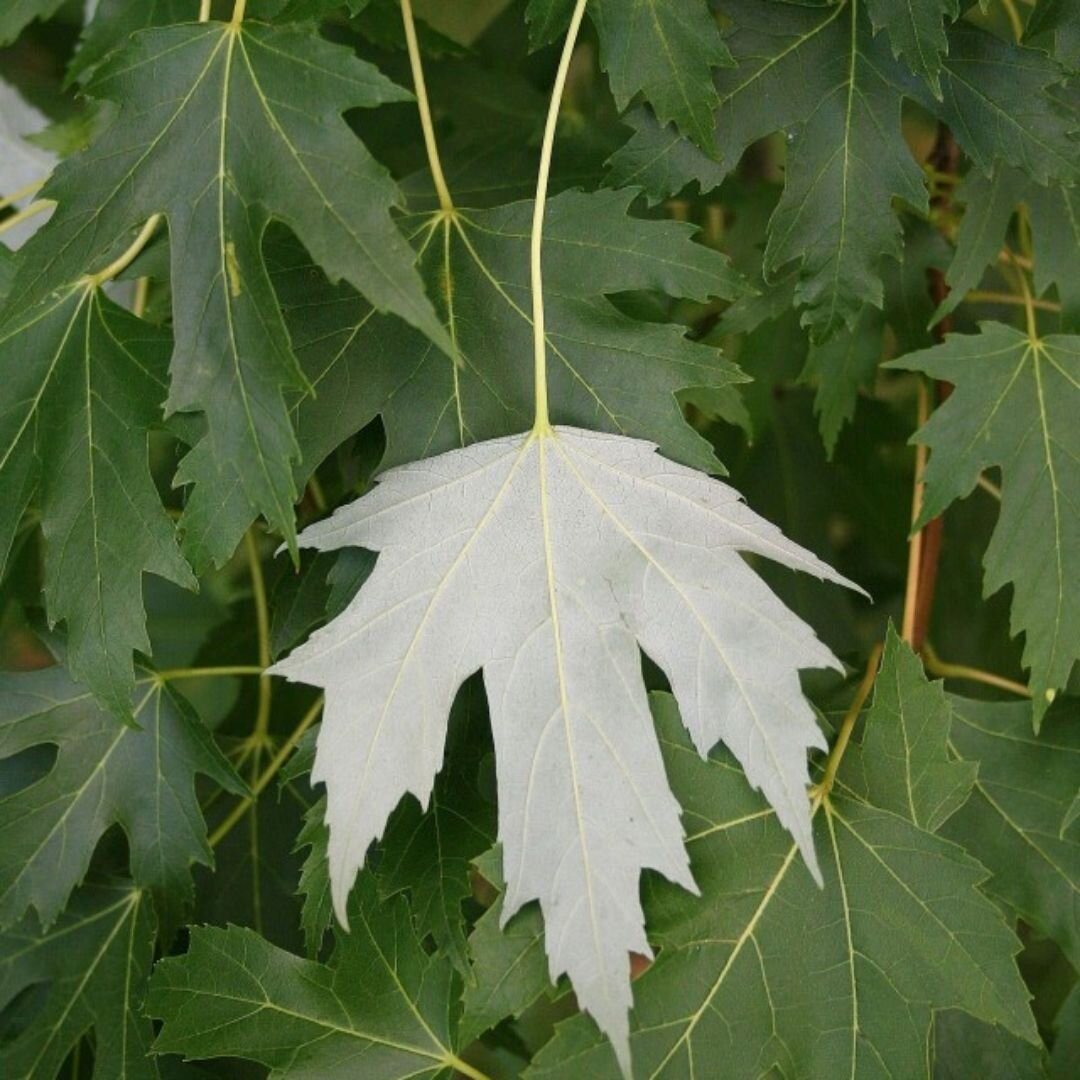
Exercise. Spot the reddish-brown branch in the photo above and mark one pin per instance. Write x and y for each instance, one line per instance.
(944, 159)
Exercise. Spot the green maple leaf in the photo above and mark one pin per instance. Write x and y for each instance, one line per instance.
(208, 135)
(660, 161)
(909, 304)
(20, 13)
(7, 276)
(965, 1047)
(1015, 407)
(317, 910)
(1067, 1036)
(1016, 820)
(842, 366)
(916, 30)
(1056, 24)
(315, 9)
(115, 21)
(428, 851)
(608, 371)
(995, 97)
(989, 205)
(821, 72)
(380, 1008)
(766, 971)
(104, 774)
(508, 966)
(1054, 215)
(1054, 212)
(903, 764)
(319, 592)
(83, 385)
(846, 364)
(94, 963)
(665, 50)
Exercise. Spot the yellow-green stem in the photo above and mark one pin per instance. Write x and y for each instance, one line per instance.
(142, 295)
(25, 214)
(1008, 255)
(466, 1069)
(542, 422)
(1013, 16)
(119, 265)
(21, 193)
(1029, 305)
(204, 10)
(239, 7)
(262, 623)
(259, 784)
(318, 496)
(980, 296)
(177, 674)
(424, 107)
(836, 755)
(936, 666)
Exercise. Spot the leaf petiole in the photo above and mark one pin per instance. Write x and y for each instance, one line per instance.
(262, 623)
(21, 193)
(30, 211)
(120, 264)
(260, 783)
(542, 423)
(820, 792)
(944, 670)
(446, 203)
(176, 674)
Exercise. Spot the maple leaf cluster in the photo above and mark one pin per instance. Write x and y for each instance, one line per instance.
(445, 587)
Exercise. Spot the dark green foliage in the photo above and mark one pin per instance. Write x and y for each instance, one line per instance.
(793, 242)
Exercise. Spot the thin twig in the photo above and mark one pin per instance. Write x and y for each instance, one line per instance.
(980, 296)
(915, 544)
(1007, 255)
(925, 551)
(936, 666)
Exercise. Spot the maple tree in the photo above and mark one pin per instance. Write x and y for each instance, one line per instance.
(485, 370)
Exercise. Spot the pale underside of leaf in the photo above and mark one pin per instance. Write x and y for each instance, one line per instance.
(546, 560)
